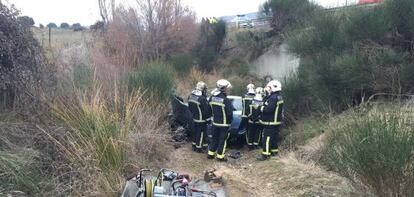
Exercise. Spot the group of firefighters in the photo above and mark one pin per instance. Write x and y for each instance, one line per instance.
(262, 115)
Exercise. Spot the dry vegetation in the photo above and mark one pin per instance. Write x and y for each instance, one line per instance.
(93, 110)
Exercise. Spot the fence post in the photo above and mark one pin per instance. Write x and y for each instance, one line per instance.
(50, 37)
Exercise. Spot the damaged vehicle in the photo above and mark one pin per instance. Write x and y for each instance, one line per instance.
(181, 116)
(169, 183)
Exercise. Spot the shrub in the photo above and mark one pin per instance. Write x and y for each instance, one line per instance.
(239, 86)
(156, 79)
(238, 67)
(255, 42)
(206, 58)
(349, 54)
(182, 63)
(293, 89)
(376, 148)
(22, 64)
(208, 47)
(288, 13)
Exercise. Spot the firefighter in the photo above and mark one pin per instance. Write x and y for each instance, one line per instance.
(222, 116)
(271, 119)
(255, 128)
(247, 104)
(198, 106)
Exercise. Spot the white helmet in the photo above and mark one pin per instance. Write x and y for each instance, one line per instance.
(250, 89)
(259, 90)
(274, 86)
(223, 84)
(201, 86)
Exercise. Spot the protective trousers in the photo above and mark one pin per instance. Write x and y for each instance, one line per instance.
(199, 135)
(218, 142)
(269, 139)
(253, 134)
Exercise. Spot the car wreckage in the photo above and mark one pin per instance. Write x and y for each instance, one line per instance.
(181, 116)
(169, 183)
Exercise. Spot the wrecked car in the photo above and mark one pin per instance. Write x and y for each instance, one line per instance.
(182, 117)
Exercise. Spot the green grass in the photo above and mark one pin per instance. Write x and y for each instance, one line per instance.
(18, 171)
(375, 147)
(100, 125)
(156, 79)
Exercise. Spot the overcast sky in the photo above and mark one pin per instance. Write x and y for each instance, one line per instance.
(86, 12)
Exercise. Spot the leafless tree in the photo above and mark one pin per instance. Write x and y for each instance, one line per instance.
(156, 29)
(106, 9)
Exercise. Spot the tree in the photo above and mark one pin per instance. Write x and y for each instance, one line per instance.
(106, 9)
(287, 13)
(64, 26)
(98, 26)
(52, 25)
(157, 29)
(26, 20)
(41, 26)
(76, 25)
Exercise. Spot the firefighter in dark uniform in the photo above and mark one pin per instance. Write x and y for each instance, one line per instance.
(255, 127)
(271, 119)
(246, 103)
(222, 116)
(198, 106)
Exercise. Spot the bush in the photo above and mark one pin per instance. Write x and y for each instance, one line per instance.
(350, 54)
(293, 89)
(23, 69)
(156, 79)
(239, 86)
(255, 42)
(376, 148)
(182, 63)
(206, 58)
(208, 47)
(237, 67)
(288, 13)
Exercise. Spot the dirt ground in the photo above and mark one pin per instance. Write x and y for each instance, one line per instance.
(285, 175)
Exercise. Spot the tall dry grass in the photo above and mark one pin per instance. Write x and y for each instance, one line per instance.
(113, 132)
(375, 147)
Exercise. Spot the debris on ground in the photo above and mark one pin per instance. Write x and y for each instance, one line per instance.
(235, 154)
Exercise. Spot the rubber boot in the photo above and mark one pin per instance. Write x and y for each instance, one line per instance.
(222, 160)
(263, 158)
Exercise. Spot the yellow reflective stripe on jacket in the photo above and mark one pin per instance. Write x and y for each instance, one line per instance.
(199, 111)
(275, 122)
(199, 121)
(224, 124)
(220, 125)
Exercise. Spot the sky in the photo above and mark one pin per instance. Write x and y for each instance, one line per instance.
(86, 12)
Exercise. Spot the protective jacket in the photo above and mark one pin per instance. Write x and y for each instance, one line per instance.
(221, 110)
(198, 106)
(272, 110)
(247, 101)
(256, 113)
